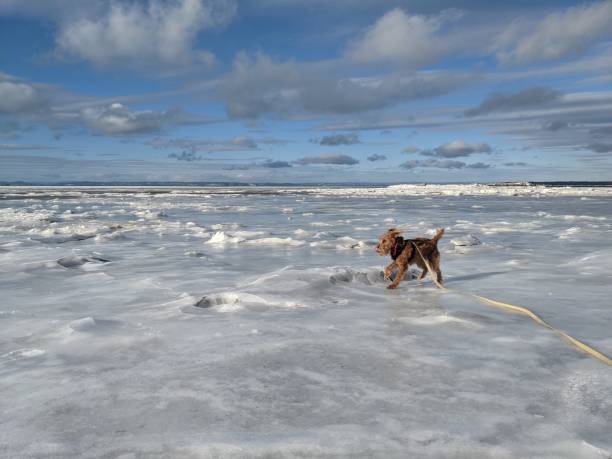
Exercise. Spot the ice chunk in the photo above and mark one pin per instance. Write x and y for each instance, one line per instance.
(465, 241)
(75, 261)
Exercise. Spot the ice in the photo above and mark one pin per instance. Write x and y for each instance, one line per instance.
(276, 241)
(84, 324)
(465, 241)
(73, 261)
(222, 238)
(203, 322)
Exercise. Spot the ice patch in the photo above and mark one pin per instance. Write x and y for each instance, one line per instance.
(195, 254)
(276, 241)
(367, 277)
(442, 319)
(465, 241)
(75, 261)
(229, 301)
(84, 324)
(247, 234)
(20, 354)
(57, 234)
(150, 215)
(221, 237)
(570, 232)
(225, 226)
(341, 243)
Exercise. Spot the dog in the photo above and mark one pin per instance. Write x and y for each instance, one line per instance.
(404, 254)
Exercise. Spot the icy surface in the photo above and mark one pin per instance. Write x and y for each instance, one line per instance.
(256, 323)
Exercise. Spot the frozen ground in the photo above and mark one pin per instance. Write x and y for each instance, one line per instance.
(255, 323)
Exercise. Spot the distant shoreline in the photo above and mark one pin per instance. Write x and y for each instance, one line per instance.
(572, 184)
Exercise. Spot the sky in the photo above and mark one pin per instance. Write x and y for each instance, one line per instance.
(305, 91)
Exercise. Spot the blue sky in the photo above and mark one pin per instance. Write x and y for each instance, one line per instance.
(305, 90)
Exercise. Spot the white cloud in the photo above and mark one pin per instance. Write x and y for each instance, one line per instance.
(18, 97)
(118, 120)
(260, 85)
(158, 32)
(400, 37)
(559, 34)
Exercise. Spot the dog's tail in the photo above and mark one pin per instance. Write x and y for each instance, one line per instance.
(438, 235)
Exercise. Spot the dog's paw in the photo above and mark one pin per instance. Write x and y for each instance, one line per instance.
(391, 287)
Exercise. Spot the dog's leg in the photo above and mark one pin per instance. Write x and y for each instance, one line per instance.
(436, 267)
(398, 277)
(389, 270)
(423, 274)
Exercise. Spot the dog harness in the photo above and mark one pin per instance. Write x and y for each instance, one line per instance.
(399, 246)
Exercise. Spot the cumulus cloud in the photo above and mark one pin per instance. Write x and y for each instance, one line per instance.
(441, 164)
(516, 164)
(399, 37)
(18, 97)
(118, 120)
(156, 32)
(259, 85)
(338, 139)
(557, 35)
(456, 149)
(327, 158)
(528, 98)
(25, 105)
(376, 157)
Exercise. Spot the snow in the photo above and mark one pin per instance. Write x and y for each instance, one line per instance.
(205, 323)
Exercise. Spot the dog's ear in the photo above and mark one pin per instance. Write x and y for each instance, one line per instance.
(394, 232)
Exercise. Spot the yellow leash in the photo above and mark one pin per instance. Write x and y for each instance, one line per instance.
(522, 310)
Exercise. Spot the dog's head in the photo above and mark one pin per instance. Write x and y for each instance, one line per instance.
(387, 241)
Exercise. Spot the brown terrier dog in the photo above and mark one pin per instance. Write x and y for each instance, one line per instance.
(404, 254)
